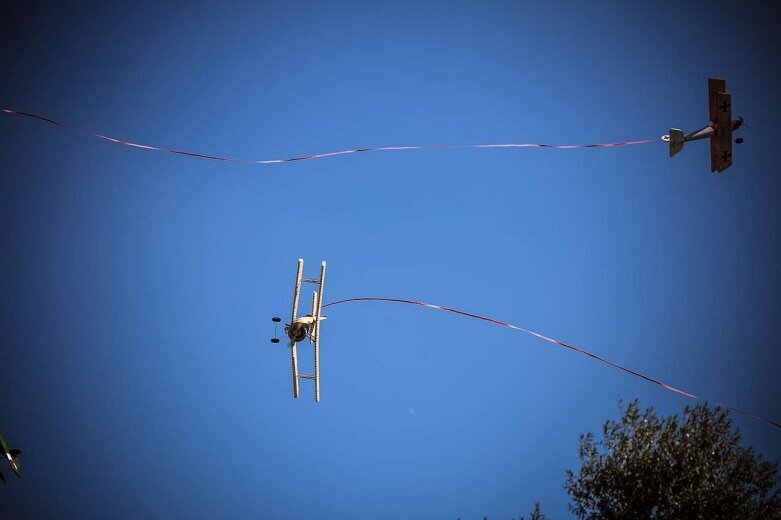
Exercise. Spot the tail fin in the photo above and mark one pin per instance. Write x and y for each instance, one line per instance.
(676, 141)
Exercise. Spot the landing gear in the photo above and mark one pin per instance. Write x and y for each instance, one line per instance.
(275, 319)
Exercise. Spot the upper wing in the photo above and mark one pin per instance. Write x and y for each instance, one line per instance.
(721, 141)
(715, 86)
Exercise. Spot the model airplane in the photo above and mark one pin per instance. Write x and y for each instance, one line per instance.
(304, 327)
(719, 130)
(12, 455)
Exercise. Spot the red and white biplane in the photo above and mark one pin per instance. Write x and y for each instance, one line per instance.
(719, 130)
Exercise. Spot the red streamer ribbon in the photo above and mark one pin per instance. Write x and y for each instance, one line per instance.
(555, 342)
(327, 154)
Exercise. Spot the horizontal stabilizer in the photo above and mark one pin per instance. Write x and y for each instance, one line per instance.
(676, 141)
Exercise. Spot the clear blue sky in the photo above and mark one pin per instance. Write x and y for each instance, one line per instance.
(137, 287)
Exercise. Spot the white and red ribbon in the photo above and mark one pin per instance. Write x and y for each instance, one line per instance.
(327, 154)
(555, 342)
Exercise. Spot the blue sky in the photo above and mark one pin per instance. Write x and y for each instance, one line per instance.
(138, 287)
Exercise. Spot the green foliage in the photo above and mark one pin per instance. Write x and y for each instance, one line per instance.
(690, 467)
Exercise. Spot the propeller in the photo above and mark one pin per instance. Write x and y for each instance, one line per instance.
(276, 320)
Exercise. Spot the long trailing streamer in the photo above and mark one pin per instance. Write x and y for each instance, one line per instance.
(327, 154)
(555, 342)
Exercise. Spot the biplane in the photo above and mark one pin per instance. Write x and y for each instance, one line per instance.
(305, 327)
(719, 130)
